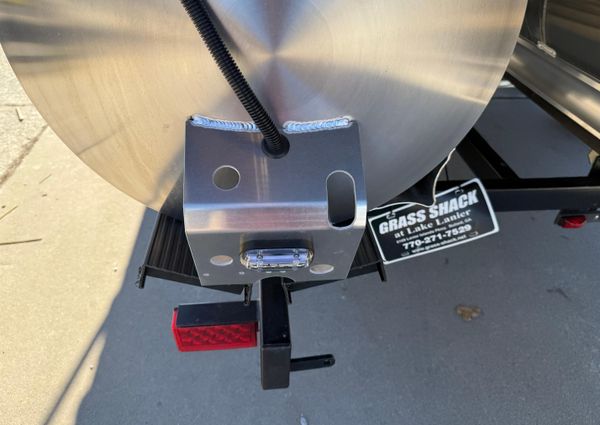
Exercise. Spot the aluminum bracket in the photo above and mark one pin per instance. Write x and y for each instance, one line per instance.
(248, 216)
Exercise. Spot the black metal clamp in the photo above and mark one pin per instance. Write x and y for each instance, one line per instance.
(275, 339)
(228, 325)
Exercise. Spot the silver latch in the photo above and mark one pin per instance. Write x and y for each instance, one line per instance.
(276, 259)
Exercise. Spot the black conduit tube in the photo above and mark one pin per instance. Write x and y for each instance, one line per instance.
(274, 143)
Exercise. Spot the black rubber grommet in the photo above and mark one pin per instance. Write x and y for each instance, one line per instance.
(280, 153)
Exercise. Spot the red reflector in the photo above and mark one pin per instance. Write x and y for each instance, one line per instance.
(572, 221)
(214, 337)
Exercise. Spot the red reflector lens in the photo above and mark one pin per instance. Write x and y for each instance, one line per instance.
(572, 221)
(214, 337)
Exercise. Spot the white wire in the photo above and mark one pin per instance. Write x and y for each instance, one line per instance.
(435, 182)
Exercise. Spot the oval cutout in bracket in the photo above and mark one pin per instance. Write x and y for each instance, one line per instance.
(341, 199)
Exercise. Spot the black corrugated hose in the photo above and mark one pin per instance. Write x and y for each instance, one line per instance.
(275, 143)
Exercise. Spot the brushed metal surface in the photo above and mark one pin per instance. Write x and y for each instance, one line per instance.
(275, 201)
(558, 82)
(533, 23)
(118, 79)
(573, 30)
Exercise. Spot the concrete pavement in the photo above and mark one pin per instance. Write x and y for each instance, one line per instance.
(65, 240)
(20, 123)
(64, 250)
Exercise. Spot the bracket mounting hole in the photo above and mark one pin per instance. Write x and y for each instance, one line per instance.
(321, 269)
(221, 260)
(226, 177)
